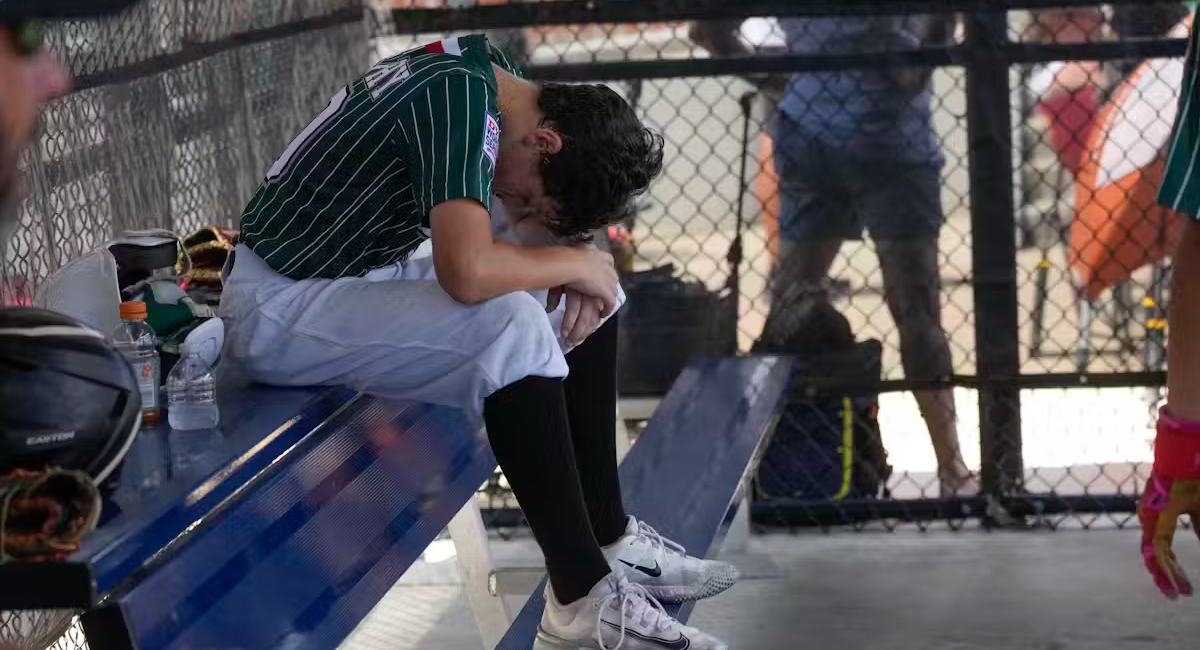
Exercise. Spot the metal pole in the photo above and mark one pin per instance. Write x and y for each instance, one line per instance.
(993, 227)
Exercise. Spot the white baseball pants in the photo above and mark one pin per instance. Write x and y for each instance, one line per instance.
(393, 333)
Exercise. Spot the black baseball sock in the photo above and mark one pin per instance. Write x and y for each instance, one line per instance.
(591, 394)
(527, 426)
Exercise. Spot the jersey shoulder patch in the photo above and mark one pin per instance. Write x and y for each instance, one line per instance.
(491, 137)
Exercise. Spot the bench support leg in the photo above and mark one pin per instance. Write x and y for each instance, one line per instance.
(475, 565)
(737, 540)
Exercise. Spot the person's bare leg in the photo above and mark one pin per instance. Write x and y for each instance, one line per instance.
(801, 267)
(1183, 346)
(912, 289)
(804, 264)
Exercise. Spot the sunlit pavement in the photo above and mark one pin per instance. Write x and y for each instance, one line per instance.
(940, 590)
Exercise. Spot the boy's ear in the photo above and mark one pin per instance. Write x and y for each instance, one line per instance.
(546, 142)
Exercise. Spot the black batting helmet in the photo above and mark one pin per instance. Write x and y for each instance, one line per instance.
(67, 398)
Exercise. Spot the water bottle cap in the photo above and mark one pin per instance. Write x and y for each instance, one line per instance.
(133, 310)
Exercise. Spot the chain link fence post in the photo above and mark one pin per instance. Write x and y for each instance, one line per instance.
(993, 225)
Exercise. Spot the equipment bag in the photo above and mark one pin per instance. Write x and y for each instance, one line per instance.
(827, 444)
(667, 321)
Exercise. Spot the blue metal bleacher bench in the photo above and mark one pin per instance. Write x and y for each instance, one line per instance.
(285, 529)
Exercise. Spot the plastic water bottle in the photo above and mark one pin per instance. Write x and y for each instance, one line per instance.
(136, 341)
(192, 393)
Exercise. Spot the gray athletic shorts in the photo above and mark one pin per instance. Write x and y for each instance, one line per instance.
(832, 190)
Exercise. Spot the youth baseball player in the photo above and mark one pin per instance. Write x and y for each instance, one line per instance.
(326, 288)
(1173, 489)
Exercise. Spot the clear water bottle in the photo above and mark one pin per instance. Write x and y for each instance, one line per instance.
(192, 393)
(136, 341)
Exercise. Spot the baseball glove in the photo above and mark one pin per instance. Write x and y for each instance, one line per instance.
(44, 515)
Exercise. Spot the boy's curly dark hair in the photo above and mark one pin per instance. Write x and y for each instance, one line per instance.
(607, 157)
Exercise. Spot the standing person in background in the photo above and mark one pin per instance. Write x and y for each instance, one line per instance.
(1147, 19)
(1174, 486)
(858, 150)
(723, 38)
(853, 150)
(1144, 20)
(1058, 97)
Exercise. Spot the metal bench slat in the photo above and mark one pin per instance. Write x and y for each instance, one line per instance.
(303, 556)
(142, 517)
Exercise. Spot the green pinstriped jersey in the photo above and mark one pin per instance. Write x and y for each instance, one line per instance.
(1180, 188)
(353, 191)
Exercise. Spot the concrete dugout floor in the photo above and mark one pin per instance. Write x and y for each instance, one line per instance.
(940, 590)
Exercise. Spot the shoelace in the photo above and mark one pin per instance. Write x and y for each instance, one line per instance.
(657, 541)
(646, 609)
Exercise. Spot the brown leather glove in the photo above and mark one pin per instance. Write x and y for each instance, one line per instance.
(44, 515)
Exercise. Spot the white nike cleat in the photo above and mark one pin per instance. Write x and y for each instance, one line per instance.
(616, 615)
(666, 571)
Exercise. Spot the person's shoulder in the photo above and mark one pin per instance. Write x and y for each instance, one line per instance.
(396, 77)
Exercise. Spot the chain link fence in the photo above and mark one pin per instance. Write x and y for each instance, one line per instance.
(178, 107)
(1002, 165)
(1007, 305)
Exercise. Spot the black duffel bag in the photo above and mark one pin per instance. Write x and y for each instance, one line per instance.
(666, 322)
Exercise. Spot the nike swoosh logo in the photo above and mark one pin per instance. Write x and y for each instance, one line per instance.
(682, 643)
(653, 572)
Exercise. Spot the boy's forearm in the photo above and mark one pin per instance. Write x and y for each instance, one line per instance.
(512, 267)
(473, 266)
(503, 268)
